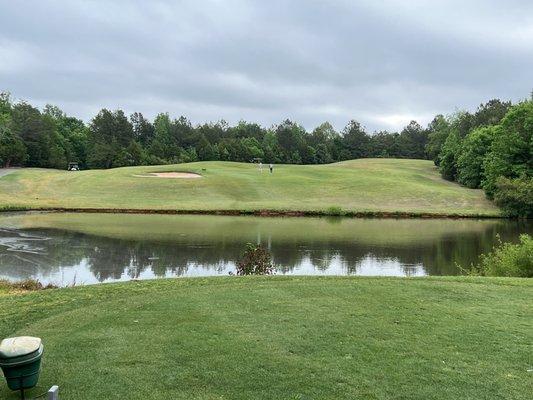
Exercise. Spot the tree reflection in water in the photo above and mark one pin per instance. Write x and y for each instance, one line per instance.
(48, 254)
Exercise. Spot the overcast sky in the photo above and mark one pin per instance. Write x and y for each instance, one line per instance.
(382, 63)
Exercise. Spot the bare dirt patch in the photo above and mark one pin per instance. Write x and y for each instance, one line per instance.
(170, 175)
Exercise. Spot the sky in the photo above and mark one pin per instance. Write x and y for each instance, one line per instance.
(382, 63)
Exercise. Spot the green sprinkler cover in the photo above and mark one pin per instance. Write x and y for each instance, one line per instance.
(20, 360)
(20, 349)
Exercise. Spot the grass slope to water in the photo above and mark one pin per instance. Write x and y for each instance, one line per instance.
(358, 186)
(281, 338)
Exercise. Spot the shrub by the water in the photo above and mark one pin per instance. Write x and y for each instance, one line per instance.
(256, 260)
(508, 259)
(515, 196)
(335, 211)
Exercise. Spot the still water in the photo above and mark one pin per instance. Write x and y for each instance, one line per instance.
(89, 248)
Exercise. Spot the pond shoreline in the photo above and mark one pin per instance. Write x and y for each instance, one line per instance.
(258, 213)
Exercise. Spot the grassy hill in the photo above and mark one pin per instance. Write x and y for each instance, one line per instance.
(280, 338)
(358, 186)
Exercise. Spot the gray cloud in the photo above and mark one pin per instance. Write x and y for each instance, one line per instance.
(380, 62)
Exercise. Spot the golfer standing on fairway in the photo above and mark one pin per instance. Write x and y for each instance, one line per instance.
(271, 166)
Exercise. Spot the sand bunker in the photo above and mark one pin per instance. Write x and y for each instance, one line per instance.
(171, 175)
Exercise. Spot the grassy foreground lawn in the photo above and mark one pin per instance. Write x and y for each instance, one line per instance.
(281, 338)
(365, 185)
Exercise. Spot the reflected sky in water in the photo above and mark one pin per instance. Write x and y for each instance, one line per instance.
(89, 248)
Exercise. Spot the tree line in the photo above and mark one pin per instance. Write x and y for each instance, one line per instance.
(49, 138)
(490, 148)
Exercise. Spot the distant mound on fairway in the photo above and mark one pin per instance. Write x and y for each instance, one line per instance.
(356, 187)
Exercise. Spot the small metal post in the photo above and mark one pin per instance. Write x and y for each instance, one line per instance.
(53, 393)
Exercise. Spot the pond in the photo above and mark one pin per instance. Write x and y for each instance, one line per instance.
(74, 248)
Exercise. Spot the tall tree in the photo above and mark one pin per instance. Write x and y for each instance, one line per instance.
(491, 112)
(291, 138)
(143, 130)
(449, 155)
(355, 141)
(164, 146)
(413, 140)
(511, 153)
(36, 132)
(472, 154)
(385, 144)
(109, 135)
(438, 131)
(12, 149)
(323, 133)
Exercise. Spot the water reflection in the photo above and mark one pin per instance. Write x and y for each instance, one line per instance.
(90, 248)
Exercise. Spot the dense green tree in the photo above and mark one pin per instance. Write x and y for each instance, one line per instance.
(462, 122)
(321, 143)
(322, 154)
(385, 144)
(143, 130)
(63, 145)
(491, 113)
(472, 154)
(245, 130)
(130, 155)
(35, 131)
(164, 145)
(76, 133)
(355, 141)
(109, 135)
(12, 148)
(449, 155)
(251, 149)
(271, 148)
(438, 131)
(206, 151)
(57, 156)
(412, 141)
(474, 149)
(213, 132)
(185, 134)
(307, 155)
(291, 139)
(172, 138)
(322, 134)
(511, 153)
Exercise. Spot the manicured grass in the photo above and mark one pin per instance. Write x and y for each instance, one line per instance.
(358, 186)
(281, 338)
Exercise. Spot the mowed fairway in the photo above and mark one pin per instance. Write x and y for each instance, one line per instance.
(281, 338)
(365, 185)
